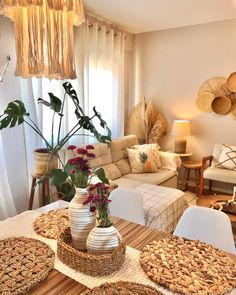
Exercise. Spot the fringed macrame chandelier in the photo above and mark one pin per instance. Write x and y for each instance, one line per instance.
(44, 36)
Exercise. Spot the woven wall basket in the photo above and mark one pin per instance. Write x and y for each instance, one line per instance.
(91, 264)
(233, 111)
(231, 82)
(221, 105)
(204, 101)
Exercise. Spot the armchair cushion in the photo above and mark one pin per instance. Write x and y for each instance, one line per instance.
(227, 159)
(220, 174)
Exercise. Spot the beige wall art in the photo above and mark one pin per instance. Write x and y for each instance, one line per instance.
(146, 123)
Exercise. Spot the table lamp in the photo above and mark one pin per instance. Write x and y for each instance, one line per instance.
(180, 129)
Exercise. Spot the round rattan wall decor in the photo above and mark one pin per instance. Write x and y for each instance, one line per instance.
(47, 224)
(204, 101)
(231, 82)
(233, 111)
(24, 263)
(221, 105)
(188, 266)
(214, 86)
(122, 288)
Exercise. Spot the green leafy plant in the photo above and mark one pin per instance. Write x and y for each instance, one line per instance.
(16, 114)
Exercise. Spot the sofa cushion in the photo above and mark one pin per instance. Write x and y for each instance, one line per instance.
(227, 159)
(219, 174)
(150, 148)
(123, 166)
(153, 178)
(111, 171)
(119, 146)
(137, 166)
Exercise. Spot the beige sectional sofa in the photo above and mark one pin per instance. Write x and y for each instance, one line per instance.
(114, 160)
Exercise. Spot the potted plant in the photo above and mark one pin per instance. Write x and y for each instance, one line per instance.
(15, 114)
(104, 237)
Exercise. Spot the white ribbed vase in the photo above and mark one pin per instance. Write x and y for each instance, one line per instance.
(103, 240)
(81, 219)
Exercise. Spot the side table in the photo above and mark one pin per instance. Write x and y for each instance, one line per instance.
(196, 167)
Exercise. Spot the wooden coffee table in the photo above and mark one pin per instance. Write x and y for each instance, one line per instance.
(206, 200)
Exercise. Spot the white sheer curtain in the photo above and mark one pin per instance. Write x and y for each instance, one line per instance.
(99, 57)
(7, 207)
(103, 73)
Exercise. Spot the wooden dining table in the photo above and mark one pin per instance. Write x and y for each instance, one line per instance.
(137, 236)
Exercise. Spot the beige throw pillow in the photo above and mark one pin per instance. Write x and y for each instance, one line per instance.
(150, 148)
(227, 159)
(137, 166)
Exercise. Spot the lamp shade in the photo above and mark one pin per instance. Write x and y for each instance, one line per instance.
(181, 128)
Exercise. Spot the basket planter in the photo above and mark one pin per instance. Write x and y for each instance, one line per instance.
(81, 219)
(44, 162)
(91, 264)
(103, 240)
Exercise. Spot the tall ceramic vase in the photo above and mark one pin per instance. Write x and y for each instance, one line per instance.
(81, 219)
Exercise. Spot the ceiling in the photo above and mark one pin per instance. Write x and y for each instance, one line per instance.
(137, 16)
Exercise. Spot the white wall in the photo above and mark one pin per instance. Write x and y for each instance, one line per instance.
(12, 138)
(169, 68)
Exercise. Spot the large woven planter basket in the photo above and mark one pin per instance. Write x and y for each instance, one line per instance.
(91, 264)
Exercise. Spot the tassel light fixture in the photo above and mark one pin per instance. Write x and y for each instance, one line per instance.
(44, 36)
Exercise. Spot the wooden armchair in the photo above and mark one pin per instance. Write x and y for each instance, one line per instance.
(206, 162)
(210, 171)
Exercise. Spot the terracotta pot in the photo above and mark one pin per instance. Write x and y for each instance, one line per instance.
(81, 219)
(103, 240)
(44, 163)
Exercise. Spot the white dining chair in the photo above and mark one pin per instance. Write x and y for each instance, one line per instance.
(207, 225)
(127, 204)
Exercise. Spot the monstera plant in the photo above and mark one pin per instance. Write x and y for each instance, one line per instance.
(16, 114)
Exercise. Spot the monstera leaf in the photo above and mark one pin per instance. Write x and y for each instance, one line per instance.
(13, 114)
(55, 103)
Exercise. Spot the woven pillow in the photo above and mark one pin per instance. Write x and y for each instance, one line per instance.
(150, 148)
(227, 159)
(137, 166)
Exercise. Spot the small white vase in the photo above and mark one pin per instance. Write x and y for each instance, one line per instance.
(103, 240)
(81, 219)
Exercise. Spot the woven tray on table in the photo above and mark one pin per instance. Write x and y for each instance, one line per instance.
(47, 224)
(122, 288)
(91, 264)
(24, 263)
(189, 266)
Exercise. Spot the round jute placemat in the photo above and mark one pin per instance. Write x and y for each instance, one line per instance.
(24, 263)
(189, 266)
(47, 224)
(122, 288)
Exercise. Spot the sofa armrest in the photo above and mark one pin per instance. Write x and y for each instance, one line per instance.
(170, 161)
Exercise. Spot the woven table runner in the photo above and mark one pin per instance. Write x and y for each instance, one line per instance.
(131, 270)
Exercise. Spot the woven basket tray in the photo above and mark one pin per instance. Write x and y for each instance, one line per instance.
(189, 266)
(94, 265)
(122, 288)
(24, 263)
